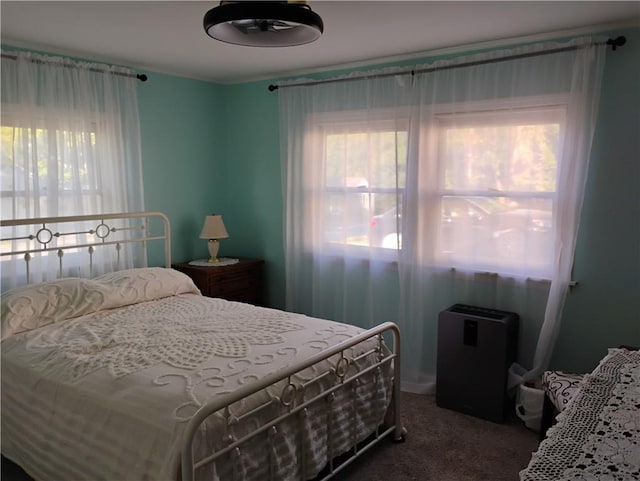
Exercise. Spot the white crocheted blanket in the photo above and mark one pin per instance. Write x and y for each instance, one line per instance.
(597, 437)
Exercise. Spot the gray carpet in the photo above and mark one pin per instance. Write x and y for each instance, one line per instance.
(441, 445)
(445, 445)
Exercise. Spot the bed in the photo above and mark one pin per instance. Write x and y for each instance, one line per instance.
(133, 374)
(597, 436)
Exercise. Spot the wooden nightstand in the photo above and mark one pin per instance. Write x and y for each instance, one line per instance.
(236, 282)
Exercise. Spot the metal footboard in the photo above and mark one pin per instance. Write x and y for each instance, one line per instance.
(296, 407)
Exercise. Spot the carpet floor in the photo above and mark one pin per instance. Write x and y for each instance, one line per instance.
(441, 445)
(445, 445)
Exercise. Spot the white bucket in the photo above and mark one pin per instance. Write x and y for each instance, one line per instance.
(529, 406)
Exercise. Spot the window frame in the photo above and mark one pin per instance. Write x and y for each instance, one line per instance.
(34, 119)
(14, 116)
(543, 107)
(331, 123)
(429, 122)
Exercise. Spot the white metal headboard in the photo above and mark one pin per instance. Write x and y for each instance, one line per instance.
(57, 234)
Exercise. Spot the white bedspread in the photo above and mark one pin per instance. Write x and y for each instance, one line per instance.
(106, 395)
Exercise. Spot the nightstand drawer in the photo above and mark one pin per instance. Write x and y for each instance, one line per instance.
(219, 286)
(233, 276)
(240, 295)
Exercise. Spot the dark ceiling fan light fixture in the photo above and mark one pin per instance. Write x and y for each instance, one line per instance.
(263, 24)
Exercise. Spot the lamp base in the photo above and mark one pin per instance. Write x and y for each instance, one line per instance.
(213, 245)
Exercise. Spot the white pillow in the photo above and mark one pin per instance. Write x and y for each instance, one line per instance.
(37, 305)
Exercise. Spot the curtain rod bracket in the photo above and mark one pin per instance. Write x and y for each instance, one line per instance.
(617, 42)
(142, 77)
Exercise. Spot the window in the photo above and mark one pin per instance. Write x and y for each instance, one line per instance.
(70, 147)
(498, 181)
(364, 178)
(48, 169)
(494, 196)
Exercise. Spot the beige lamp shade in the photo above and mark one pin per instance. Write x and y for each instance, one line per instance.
(213, 230)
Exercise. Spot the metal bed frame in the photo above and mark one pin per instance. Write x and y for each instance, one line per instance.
(298, 410)
(116, 230)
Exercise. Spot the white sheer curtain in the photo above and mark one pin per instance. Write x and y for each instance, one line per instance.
(460, 184)
(70, 146)
(335, 137)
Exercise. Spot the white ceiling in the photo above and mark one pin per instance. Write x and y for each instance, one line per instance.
(167, 36)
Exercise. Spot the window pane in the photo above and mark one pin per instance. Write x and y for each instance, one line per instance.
(497, 231)
(386, 226)
(45, 169)
(388, 159)
(347, 217)
(516, 158)
(346, 156)
(364, 172)
(75, 154)
(377, 157)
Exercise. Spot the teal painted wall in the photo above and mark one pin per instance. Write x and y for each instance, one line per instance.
(602, 311)
(183, 156)
(253, 211)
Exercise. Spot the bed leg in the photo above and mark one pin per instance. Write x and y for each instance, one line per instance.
(400, 432)
(400, 435)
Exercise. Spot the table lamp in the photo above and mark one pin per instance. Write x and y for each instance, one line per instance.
(213, 230)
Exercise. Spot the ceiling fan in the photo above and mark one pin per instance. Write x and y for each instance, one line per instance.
(249, 27)
(263, 24)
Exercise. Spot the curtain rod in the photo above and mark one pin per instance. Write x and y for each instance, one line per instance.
(614, 42)
(141, 77)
